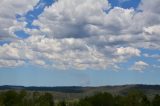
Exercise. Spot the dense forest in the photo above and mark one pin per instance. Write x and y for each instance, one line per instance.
(25, 98)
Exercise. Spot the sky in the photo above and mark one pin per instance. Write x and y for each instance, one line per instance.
(79, 42)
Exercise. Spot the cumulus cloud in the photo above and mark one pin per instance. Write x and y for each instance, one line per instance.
(10, 63)
(66, 18)
(8, 11)
(153, 6)
(82, 34)
(153, 30)
(129, 51)
(139, 66)
(60, 53)
(60, 22)
(117, 24)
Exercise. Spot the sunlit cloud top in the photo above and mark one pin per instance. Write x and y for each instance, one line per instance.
(80, 34)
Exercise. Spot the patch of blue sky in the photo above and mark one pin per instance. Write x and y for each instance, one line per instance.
(108, 77)
(125, 3)
(2, 42)
(153, 62)
(25, 75)
(127, 64)
(32, 15)
(38, 9)
(149, 60)
(21, 34)
(151, 51)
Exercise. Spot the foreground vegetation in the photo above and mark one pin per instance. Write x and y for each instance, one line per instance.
(24, 98)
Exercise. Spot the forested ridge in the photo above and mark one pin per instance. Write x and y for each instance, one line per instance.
(25, 98)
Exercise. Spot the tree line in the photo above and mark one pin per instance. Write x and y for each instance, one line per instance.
(23, 98)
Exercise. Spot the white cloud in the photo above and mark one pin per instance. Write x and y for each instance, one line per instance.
(39, 62)
(10, 63)
(150, 6)
(8, 11)
(139, 66)
(60, 22)
(66, 17)
(129, 51)
(120, 25)
(67, 53)
(80, 34)
(153, 30)
(122, 54)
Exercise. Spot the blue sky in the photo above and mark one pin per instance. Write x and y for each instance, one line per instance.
(55, 44)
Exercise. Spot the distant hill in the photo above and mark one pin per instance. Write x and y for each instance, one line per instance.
(71, 92)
